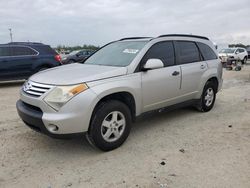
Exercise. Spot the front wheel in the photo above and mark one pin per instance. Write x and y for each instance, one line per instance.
(208, 97)
(110, 125)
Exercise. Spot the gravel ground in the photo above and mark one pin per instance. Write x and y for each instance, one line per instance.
(182, 148)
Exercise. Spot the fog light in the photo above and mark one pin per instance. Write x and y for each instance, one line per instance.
(53, 128)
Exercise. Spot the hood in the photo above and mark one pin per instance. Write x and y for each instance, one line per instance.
(226, 54)
(77, 73)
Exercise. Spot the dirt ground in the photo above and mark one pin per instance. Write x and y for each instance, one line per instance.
(182, 148)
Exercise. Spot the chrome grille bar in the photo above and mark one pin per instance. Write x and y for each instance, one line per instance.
(35, 89)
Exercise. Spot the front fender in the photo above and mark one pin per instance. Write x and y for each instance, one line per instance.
(128, 83)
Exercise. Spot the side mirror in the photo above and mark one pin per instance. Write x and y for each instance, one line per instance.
(237, 52)
(153, 64)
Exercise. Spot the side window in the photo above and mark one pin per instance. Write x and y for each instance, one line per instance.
(187, 52)
(241, 50)
(206, 51)
(5, 51)
(84, 53)
(19, 51)
(163, 51)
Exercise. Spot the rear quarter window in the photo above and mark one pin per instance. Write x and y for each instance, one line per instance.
(45, 50)
(206, 51)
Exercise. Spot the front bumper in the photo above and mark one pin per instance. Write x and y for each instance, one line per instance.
(73, 118)
(32, 117)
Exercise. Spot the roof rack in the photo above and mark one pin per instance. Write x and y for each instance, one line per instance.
(131, 38)
(183, 35)
(24, 43)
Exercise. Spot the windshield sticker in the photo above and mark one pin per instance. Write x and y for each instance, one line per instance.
(131, 51)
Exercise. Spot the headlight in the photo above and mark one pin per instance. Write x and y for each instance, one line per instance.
(62, 94)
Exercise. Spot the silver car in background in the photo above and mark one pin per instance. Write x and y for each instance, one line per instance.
(120, 82)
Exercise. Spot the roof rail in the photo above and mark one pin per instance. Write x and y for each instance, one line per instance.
(131, 38)
(183, 35)
(25, 43)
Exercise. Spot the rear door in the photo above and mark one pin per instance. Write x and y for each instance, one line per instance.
(22, 60)
(192, 68)
(160, 87)
(5, 63)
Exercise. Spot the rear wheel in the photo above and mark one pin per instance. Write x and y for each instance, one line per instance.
(42, 69)
(244, 61)
(110, 125)
(208, 97)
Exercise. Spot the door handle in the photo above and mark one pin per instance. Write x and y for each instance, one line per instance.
(203, 66)
(175, 73)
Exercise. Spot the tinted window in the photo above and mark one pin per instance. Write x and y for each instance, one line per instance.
(17, 51)
(163, 51)
(44, 49)
(5, 51)
(84, 53)
(206, 51)
(187, 52)
(241, 50)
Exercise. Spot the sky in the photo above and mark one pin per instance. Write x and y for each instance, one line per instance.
(97, 22)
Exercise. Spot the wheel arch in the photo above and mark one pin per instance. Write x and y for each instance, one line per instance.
(41, 65)
(214, 80)
(124, 96)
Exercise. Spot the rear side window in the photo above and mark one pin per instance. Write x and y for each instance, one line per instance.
(45, 50)
(187, 52)
(206, 51)
(19, 51)
(5, 51)
(163, 51)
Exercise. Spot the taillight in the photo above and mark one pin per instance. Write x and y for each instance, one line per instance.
(58, 58)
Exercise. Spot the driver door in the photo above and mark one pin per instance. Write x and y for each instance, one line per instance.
(161, 87)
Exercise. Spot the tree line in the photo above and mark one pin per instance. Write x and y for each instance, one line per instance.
(72, 48)
(238, 45)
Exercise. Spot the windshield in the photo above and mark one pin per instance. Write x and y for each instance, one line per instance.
(118, 54)
(228, 50)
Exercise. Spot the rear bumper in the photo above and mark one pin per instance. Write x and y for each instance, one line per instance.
(32, 117)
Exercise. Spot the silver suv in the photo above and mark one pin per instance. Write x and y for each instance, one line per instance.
(121, 81)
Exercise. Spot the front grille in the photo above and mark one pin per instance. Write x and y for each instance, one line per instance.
(35, 89)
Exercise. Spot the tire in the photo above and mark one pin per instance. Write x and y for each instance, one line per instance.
(244, 61)
(238, 69)
(110, 125)
(208, 97)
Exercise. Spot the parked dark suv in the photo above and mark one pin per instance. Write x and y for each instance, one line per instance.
(19, 60)
(77, 56)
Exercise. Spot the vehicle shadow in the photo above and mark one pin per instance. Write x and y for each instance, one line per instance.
(80, 145)
(11, 84)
